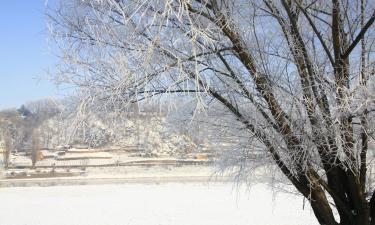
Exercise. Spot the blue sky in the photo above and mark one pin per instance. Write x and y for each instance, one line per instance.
(24, 54)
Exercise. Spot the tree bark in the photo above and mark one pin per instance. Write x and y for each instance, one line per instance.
(372, 209)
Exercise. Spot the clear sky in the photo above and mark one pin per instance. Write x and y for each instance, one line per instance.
(24, 54)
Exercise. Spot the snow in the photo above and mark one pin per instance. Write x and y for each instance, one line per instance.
(192, 203)
(85, 155)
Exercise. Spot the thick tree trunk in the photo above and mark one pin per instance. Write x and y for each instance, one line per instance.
(323, 216)
(372, 209)
(321, 208)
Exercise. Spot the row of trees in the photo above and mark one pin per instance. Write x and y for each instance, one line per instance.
(294, 77)
(48, 124)
(20, 128)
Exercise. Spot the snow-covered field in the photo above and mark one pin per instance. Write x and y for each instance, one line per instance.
(151, 204)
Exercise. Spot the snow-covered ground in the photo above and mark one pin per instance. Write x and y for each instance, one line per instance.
(151, 204)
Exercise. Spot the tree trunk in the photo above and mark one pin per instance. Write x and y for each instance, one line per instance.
(372, 209)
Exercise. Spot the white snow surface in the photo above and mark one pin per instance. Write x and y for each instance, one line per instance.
(191, 203)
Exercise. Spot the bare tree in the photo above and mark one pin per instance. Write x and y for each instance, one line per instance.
(7, 150)
(296, 77)
(15, 126)
(35, 147)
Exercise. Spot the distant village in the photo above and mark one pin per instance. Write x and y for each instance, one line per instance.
(44, 139)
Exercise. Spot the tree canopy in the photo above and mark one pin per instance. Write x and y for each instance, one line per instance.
(296, 77)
